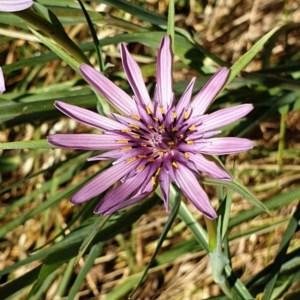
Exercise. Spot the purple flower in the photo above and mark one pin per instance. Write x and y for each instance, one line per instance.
(2, 83)
(14, 5)
(153, 142)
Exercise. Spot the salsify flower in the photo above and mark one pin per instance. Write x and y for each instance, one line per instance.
(2, 84)
(14, 5)
(153, 142)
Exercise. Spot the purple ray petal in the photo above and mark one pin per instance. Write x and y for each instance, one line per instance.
(14, 5)
(185, 99)
(209, 167)
(164, 183)
(164, 74)
(224, 117)
(224, 145)
(193, 191)
(208, 93)
(88, 117)
(117, 97)
(88, 141)
(117, 198)
(134, 76)
(103, 181)
(2, 82)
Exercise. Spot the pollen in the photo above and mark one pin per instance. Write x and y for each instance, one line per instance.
(131, 159)
(186, 155)
(126, 148)
(135, 136)
(157, 172)
(161, 109)
(153, 180)
(134, 126)
(122, 141)
(140, 168)
(186, 114)
(192, 128)
(136, 117)
(126, 130)
(174, 164)
(148, 110)
(190, 142)
(161, 127)
(174, 114)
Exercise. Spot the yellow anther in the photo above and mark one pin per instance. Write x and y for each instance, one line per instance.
(143, 144)
(135, 136)
(159, 152)
(150, 126)
(149, 112)
(192, 128)
(157, 172)
(186, 114)
(136, 117)
(186, 155)
(153, 180)
(131, 159)
(189, 142)
(161, 127)
(151, 159)
(126, 130)
(142, 156)
(126, 148)
(174, 164)
(155, 119)
(161, 109)
(174, 129)
(140, 168)
(134, 126)
(122, 141)
(174, 114)
(171, 143)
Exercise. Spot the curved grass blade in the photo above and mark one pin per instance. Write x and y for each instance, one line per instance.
(161, 239)
(283, 247)
(239, 188)
(249, 55)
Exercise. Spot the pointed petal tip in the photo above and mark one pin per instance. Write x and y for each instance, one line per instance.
(212, 215)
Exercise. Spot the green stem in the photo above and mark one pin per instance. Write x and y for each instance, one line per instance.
(212, 233)
(59, 36)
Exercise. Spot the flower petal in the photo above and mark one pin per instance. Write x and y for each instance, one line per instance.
(88, 117)
(185, 98)
(224, 145)
(164, 73)
(204, 98)
(103, 181)
(224, 117)
(134, 76)
(209, 167)
(87, 141)
(117, 97)
(2, 83)
(164, 183)
(117, 198)
(14, 5)
(193, 191)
